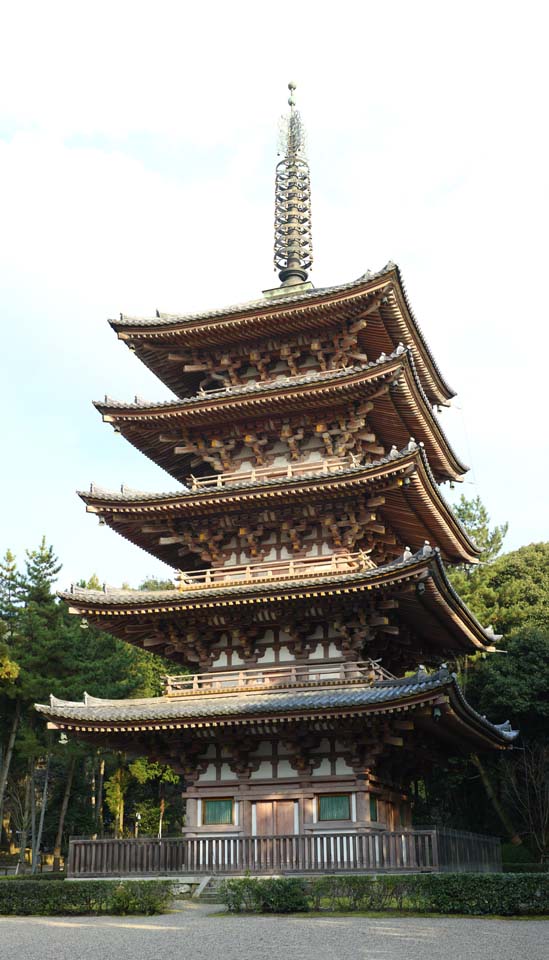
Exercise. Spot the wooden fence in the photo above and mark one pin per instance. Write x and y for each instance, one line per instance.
(368, 852)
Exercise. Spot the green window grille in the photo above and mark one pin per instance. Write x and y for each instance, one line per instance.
(334, 807)
(373, 808)
(218, 811)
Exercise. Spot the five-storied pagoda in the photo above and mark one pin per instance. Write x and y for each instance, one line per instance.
(310, 536)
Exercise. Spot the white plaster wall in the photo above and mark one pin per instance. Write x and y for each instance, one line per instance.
(285, 656)
(285, 770)
(265, 770)
(342, 767)
(324, 769)
(317, 653)
(208, 775)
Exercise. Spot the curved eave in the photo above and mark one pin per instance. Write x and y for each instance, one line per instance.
(418, 696)
(260, 318)
(413, 505)
(401, 410)
(428, 605)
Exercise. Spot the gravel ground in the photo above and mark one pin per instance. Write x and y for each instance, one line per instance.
(192, 932)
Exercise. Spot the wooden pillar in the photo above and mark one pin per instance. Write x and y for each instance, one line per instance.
(192, 812)
(245, 815)
(362, 804)
(307, 810)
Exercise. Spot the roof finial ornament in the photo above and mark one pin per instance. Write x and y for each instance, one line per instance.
(293, 251)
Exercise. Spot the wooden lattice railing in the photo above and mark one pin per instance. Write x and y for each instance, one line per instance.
(275, 570)
(325, 466)
(374, 851)
(276, 678)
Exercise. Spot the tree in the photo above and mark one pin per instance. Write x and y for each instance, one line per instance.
(476, 520)
(527, 791)
(515, 685)
(9, 669)
(93, 583)
(153, 583)
(116, 788)
(42, 569)
(10, 589)
(511, 591)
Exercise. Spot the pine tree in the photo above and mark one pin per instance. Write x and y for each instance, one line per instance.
(474, 516)
(11, 588)
(42, 569)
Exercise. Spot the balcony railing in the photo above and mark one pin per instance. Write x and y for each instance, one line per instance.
(292, 568)
(370, 851)
(325, 466)
(276, 678)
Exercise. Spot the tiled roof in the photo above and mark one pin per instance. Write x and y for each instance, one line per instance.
(317, 376)
(262, 303)
(128, 495)
(114, 597)
(267, 304)
(377, 695)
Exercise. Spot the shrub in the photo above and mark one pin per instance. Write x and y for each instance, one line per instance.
(27, 897)
(462, 893)
(506, 894)
(273, 895)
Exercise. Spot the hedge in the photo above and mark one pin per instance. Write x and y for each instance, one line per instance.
(27, 897)
(447, 893)
(273, 895)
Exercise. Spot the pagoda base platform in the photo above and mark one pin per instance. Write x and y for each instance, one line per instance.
(429, 850)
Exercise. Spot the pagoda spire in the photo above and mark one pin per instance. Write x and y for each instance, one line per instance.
(293, 248)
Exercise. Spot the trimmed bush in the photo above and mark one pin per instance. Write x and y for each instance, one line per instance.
(28, 897)
(273, 895)
(447, 893)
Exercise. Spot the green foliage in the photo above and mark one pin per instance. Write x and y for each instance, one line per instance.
(145, 770)
(10, 588)
(510, 592)
(93, 583)
(42, 568)
(476, 520)
(274, 895)
(44, 650)
(9, 669)
(515, 685)
(25, 897)
(354, 893)
(454, 893)
(153, 583)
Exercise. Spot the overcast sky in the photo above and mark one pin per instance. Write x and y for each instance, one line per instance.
(137, 155)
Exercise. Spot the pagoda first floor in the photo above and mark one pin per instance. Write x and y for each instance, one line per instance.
(291, 751)
(293, 727)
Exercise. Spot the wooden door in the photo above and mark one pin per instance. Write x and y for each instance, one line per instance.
(284, 817)
(274, 817)
(264, 818)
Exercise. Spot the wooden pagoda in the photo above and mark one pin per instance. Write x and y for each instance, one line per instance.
(313, 616)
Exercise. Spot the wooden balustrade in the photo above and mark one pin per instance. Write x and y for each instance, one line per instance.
(368, 851)
(324, 466)
(365, 671)
(275, 570)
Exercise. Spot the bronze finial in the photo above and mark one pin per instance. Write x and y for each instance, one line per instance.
(293, 251)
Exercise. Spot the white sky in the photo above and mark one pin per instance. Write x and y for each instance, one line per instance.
(137, 154)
